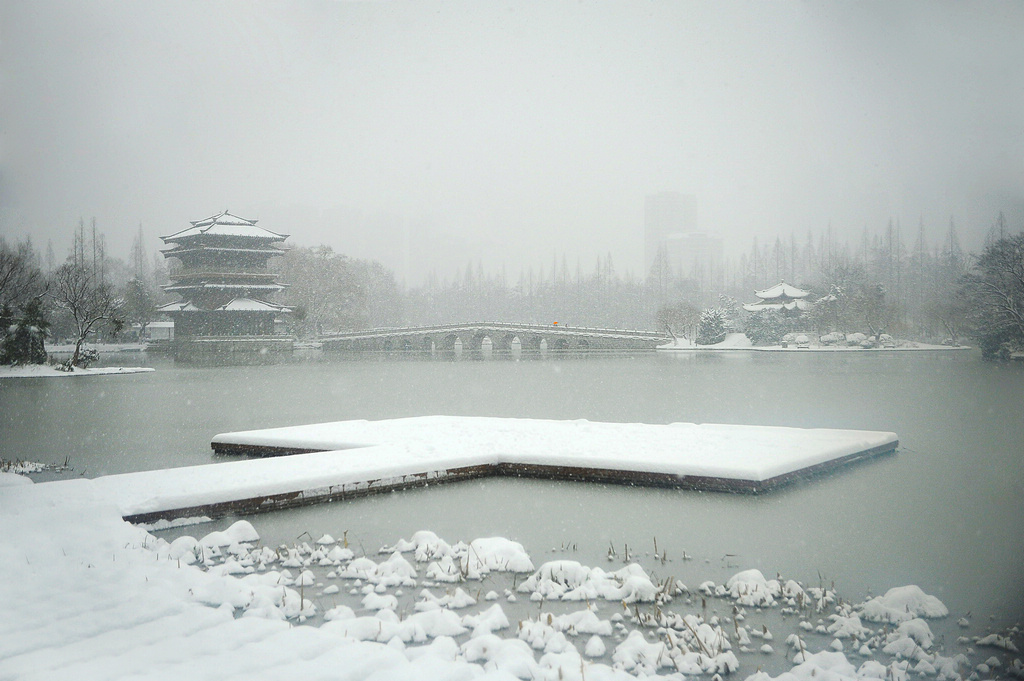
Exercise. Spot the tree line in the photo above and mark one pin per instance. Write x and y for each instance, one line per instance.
(927, 292)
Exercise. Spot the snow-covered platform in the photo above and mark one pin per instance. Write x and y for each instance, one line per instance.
(332, 461)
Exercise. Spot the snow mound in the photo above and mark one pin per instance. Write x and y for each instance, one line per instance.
(902, 603)
(12, 479)
(568, 580)
(499, 555)
(750, 588)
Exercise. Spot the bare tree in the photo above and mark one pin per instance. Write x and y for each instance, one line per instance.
(681, 318)
(90, 303)
(20, 276)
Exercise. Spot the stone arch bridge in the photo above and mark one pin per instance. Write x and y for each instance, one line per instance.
(495, 338)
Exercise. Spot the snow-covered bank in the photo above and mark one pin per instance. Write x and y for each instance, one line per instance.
(100, 348)
(88, 596)
(47, 371)
(399, 452)
(739, 341)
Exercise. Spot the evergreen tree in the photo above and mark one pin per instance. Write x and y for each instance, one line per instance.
(139, 307)
(766, 327)
(711, 328)
(24, 342)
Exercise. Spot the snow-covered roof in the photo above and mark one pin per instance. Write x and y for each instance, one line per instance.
(242, 287)
(178, 306)
(250, 305)
(178, 249)
(801, 305)
(239, 304)
(226, 224)
(782, 290)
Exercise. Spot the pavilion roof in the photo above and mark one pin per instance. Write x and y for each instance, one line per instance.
(791, 305)
(225, 224)
(782, 290)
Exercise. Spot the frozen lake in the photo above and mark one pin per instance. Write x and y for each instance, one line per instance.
(945, 513)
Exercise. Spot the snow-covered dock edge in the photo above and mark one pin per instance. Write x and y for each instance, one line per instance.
(439, 473)
(635, 478)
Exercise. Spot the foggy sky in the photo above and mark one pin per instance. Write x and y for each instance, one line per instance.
(430, 134)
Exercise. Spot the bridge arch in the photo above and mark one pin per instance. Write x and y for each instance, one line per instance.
(472, 340)
(486, 347)
(502, 342)
(450, 347)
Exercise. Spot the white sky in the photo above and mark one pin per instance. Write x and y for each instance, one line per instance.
(429, 134)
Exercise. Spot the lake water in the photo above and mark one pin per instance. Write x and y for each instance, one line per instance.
(946, 512)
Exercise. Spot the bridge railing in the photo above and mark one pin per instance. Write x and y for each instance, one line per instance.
(481, 326)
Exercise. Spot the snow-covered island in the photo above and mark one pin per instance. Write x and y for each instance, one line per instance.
(804, 343)
(51, 371)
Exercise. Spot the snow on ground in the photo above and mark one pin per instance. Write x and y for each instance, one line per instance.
(47, 371)
(85, 595)
(9, 479)
(69, 348)
(739, 341)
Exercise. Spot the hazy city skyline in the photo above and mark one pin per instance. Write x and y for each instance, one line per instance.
(428, 135)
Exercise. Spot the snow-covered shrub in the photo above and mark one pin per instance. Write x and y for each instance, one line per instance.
(711, 329)
(833, 338)
(855, 338)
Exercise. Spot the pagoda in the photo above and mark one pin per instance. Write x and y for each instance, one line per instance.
(782, 298)
(224, 282)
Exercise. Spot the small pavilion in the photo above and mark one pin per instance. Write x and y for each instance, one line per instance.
(781, 298)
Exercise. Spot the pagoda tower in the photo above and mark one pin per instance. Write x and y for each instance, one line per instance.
(224, 282)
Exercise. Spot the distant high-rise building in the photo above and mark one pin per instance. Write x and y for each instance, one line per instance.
(666, 214)
(670, 233)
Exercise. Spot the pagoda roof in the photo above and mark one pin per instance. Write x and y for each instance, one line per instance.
(240, 304)
(204, 285)
(782, 290)
(252, 305)
(178, 306)
(225, 224)
(177, 249)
